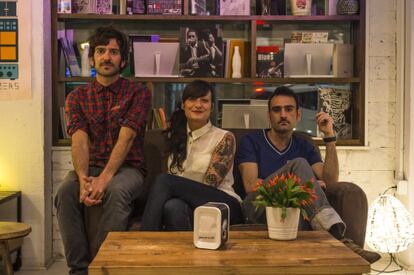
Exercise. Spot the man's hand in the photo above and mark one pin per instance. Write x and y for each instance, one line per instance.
(85, 188)
(325, 124)
(99, 185)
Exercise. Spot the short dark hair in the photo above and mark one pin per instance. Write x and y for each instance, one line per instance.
(103, 35)
(197, 88)
(285, 91)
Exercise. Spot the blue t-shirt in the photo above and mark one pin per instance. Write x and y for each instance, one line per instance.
(256, 147)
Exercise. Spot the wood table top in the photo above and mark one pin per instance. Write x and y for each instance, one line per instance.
(246, 252)
(12, 230)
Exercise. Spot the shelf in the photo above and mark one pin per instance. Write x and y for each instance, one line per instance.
(215, 18)
(228, 80)
(146, 17)
(345, 142)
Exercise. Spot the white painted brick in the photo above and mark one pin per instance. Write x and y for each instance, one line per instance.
(385, 22)
(62, 160)
(381, 137)
(381, 113)
(58, 251)
(379, 7)
(382, 90)
(382, 44)
(381, 68)
(378, 159)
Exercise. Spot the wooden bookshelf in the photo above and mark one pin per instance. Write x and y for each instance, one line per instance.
(249, 27)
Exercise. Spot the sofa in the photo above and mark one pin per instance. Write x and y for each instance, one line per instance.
(348, 199)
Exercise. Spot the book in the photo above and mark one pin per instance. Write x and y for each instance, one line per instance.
(135, 7)
(157, 118)
(63, 122)
(309, 37)
(337, 103)
(138, 6)
(70, 56)
(269, 62)
(103, 7)
(234, 7)
(64, 6)
(83, 6)
(330, 7)
(164, 7)
(201, 51)
(163, 118)
(198, 7)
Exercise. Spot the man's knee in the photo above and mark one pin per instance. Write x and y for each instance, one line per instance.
(68, 189)
(125, 187)
(299, 162)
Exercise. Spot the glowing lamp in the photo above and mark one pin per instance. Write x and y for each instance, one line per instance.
(390, 228)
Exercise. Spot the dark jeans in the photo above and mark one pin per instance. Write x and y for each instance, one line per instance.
(321, 214)
(117, 205)
(173, 190)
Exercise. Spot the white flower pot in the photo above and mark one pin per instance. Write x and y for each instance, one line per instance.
(282, 230)
(301, 7)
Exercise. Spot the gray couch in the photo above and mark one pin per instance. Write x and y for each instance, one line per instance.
(348, 199)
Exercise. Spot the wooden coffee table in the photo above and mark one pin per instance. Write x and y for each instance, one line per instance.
(246, 252)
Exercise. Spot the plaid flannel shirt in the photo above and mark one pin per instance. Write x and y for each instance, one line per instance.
(102, 111)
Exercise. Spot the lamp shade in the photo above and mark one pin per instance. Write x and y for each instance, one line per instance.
(390, 228)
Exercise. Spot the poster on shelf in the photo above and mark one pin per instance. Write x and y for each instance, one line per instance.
(15, 51)
(338, 104)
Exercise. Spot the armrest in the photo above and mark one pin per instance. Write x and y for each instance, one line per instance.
(350, 201)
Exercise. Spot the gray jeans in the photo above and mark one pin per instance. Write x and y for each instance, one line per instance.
(321, 215)
(117, 204)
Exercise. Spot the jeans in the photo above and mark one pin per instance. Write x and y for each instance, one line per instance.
(177, 215)
(117, 203)
(194, 194)
(321, 214)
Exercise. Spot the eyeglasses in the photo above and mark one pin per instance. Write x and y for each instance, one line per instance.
(112, 52)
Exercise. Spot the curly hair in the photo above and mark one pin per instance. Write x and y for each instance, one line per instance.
(103, 35)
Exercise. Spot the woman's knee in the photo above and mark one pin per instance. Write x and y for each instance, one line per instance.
(175, 206)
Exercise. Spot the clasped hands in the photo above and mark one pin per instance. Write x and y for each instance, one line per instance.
(92, 190)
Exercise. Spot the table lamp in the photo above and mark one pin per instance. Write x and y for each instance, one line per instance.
(390, 228)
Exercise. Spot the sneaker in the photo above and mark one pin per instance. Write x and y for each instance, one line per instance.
(369, 256)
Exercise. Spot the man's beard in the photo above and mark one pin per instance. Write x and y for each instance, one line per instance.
(280, 130)
(115, 71)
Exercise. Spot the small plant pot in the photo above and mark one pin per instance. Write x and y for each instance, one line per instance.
(301, 7)
(282, 230)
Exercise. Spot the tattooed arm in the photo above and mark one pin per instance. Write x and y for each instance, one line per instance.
(221, 160)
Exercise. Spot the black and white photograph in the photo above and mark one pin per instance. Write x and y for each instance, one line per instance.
(201, 52)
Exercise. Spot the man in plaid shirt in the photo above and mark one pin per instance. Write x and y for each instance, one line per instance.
(106, 120)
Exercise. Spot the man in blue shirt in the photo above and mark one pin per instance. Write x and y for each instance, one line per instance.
(263, 154)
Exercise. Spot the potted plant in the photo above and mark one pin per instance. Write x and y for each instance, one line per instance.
(284, 197)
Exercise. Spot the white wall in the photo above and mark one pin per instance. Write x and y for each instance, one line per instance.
(373, 167)
(25, 147)
(408, 156)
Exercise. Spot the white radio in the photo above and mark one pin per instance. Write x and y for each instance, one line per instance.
(211, 225)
